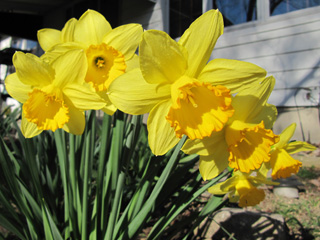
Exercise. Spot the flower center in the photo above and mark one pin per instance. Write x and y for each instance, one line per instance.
(47, 111)
(249, 146)
(100, 62)
(104, 65)
(192, 113)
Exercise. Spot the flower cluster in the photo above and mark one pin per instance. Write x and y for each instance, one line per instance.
(220, 105)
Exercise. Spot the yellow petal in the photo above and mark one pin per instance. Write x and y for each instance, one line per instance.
(67, 32)
(198, 108)
(161, 136)
(48, 37)
(162, 60)
(70, 68)
(60, 49)
(132, 63)
(225, 186)
(212, 165)
(233, 74)
(29, 129)
(251, 104)
(249, 146)
(45, 110)
(109, 108)
(248, 194)
(285, 136)
(31, 70)
(216, 189)
(91, 28)
(133, 95)
(199, 40)
(83, 97)
(16, 88)
(205, 146)
(104, 65)
(283, 165)
(125, 39)
(76, 123)
(298, 146)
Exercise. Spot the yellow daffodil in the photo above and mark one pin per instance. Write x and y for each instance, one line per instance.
(181, 91)
(245, 141)
(281, 163)
(53, 95)
(109, 52)
(242, 188)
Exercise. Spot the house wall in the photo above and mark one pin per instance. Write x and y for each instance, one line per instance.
(150, 14)
(288, 47)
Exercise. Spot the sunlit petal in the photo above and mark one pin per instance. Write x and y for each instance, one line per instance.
(162, 60)
(212, 165)
(29, 129)
(83, 97)
(132, 94)
(48, 37)
(285, 136)
(76, 123)
(251, 104)
(199, 40)
(75, 60)
(31, 70)
(233, 74)
(125, 39)
(16, 88)
(161, 136)
(298, 146)
(91, 28)
(207, 145)
(67, 33)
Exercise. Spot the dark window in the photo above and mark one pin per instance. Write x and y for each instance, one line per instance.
(283, 6)
(182, 14)
(236, 11)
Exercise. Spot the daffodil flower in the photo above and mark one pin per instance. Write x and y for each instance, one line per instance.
(281, 162)
(245, 141)
(181, 91)
(109, 52)
(242, 188)
(53, 95)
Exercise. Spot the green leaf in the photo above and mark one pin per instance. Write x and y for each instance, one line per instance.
(50, 229)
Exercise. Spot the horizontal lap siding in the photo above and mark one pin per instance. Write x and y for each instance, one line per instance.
(146, 13)
(287, 46)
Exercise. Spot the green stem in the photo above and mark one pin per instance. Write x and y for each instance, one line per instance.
(62, 158)
(89, 152)
(101, 168)
(141, 217)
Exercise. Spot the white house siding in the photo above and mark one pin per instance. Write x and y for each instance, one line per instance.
(150, 14)
(288, 47)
